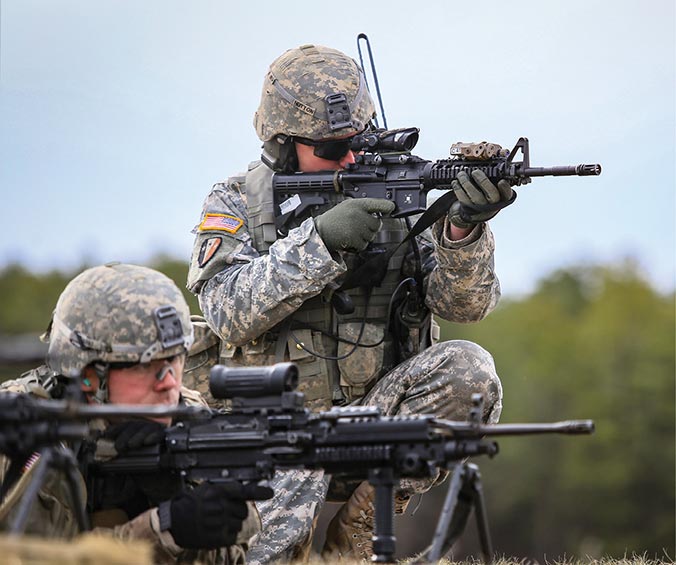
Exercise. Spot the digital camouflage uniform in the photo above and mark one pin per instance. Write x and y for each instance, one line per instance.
(52, 515)
(109, 314)
(268, 299)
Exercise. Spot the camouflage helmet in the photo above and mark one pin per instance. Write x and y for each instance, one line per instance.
(313, 92)
(117, 313)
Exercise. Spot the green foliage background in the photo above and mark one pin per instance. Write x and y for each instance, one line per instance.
(591, 342)
(595, 342)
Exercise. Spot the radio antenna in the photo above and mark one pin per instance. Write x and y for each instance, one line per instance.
(375, 76)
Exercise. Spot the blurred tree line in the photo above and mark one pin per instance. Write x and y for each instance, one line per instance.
(590, 342)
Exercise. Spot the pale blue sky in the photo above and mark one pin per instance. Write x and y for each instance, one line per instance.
(116, 117)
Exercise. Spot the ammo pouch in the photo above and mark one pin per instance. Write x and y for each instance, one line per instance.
(313, 372)
(313, 379)
(360, 369)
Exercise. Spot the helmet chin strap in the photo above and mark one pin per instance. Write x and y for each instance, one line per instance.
(280, 154)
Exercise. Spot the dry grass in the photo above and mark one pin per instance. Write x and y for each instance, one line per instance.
(633, 560)
(88, 549)
(92, 549)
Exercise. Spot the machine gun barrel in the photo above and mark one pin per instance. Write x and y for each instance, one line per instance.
(568, 427)
(475, 429)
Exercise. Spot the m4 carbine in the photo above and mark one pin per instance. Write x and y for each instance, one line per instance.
(268, 429)
(385, 168)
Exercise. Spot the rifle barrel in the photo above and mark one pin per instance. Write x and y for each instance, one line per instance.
(587, 170)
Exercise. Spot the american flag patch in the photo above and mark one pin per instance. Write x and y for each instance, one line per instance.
(221, 222)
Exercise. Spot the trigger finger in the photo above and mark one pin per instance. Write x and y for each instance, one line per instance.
(365, 234)
(372, 223)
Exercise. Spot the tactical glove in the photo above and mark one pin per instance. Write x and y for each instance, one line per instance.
(478, 199)
(351, 225)
(134, 434)
(210, 515)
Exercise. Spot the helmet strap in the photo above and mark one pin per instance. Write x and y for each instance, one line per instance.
(279, 153)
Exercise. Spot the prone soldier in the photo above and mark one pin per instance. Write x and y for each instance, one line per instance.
(120, 334)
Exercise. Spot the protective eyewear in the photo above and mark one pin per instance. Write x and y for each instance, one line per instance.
(332, 149)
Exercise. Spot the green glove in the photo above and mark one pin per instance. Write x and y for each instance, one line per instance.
(351, 225)
(478, 199)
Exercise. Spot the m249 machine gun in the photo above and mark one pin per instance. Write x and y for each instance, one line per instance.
(268, 429)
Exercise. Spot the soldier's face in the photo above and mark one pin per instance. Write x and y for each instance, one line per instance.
(308, 162)
(154, 383)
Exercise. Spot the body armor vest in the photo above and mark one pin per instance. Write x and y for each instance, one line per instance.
(332, 369)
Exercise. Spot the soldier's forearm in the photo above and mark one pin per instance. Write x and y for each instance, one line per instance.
(464, 288)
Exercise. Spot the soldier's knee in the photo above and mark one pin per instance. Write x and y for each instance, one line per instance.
(468, 355)
(474, 367)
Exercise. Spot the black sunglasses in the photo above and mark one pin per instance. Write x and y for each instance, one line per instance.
(332, 149)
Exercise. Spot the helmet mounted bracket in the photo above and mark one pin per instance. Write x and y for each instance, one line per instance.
(169, 328)
(338, 111)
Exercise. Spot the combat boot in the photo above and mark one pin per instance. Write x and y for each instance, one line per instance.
(349, 534)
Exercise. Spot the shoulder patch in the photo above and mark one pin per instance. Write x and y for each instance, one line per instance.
(208, 250)
(221, 222)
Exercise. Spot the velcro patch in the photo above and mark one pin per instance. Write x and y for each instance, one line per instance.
(221, 222)
(208, 250)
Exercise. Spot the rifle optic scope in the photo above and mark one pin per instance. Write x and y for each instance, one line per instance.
(403, 139)
(249, 382)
